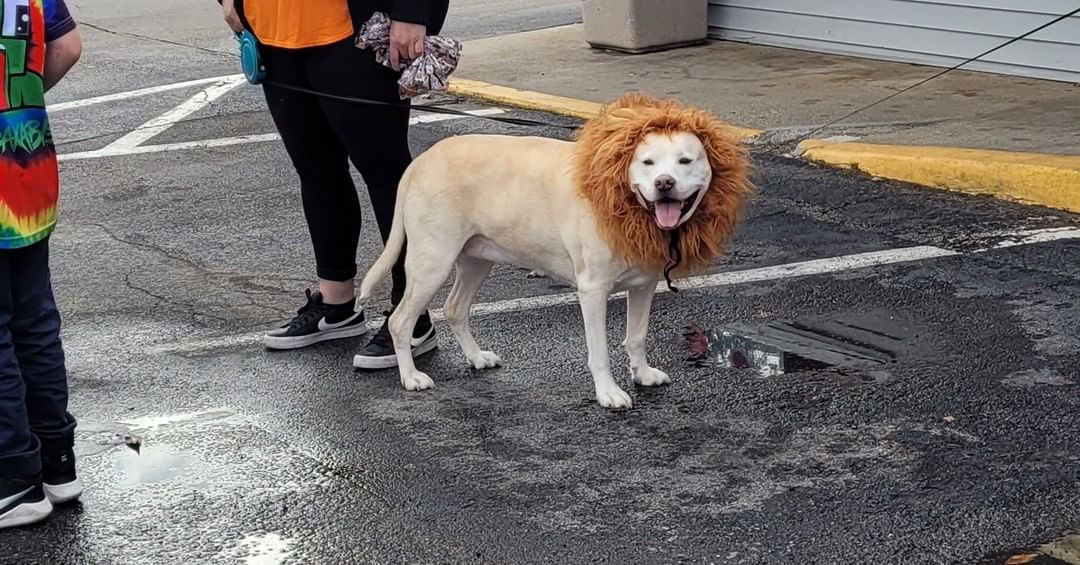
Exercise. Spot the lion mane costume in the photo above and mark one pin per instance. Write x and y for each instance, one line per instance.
(603, 152)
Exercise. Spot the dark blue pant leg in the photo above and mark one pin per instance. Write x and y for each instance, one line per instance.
(19, 449)
(35, 331)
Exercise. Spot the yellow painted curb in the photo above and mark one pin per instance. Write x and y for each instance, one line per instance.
(1031, 178)
(531, 100)
(526, 99)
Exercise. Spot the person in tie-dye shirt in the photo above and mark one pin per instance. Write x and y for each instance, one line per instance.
(38, 45)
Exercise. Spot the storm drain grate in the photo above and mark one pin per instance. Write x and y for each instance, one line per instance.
(777, 348)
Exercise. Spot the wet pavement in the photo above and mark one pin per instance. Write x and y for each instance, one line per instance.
(937, 425)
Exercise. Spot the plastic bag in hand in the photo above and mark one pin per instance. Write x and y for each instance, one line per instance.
(428, 72)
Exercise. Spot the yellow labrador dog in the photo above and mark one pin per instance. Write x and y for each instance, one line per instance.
(646, 188)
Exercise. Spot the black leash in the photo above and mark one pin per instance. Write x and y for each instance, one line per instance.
(674, 249)
(432, 108)
(676, 252)
(435, 109)
(926, 80)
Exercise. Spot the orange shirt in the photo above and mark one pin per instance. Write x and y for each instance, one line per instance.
(293, 24)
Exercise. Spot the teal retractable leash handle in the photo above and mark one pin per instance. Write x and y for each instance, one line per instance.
(250, 61)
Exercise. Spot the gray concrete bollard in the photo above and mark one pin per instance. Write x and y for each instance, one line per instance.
(640, 26)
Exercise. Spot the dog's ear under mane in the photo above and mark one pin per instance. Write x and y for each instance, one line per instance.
(604, 150)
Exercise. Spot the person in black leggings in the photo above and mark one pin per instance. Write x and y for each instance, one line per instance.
(321, 136)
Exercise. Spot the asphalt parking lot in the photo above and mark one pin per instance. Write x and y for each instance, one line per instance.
(940, 428)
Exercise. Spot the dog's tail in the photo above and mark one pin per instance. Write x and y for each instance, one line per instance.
(383, 265)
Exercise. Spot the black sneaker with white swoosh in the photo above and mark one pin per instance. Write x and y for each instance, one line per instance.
(22, 502)
(379, 351)
(317, 321)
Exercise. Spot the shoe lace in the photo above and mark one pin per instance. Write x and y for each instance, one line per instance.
(382, 337)
(306, 313)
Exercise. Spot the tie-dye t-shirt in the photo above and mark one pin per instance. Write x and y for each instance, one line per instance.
(29, 180)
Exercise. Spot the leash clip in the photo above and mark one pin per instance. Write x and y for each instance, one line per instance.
(250, 61)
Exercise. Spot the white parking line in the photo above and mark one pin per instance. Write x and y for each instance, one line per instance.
(112, 151)
(1027, 237)
(118, 96)
(201, 144)
(132, 142)
(779, 272)
(165, 121)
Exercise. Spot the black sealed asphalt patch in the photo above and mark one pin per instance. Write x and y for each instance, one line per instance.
(964, 449)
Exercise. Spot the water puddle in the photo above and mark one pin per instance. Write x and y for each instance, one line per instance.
(1035, 377)
(152, 464)
(729, 350)
(262, 549)
(137, 462)
(780, 348)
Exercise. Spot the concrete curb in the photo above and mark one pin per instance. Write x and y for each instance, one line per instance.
(531, 100)
(1031, 178)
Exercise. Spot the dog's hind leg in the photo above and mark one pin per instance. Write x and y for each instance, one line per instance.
(593, 299)
(471, 273)
(426, 267)
(638, 304)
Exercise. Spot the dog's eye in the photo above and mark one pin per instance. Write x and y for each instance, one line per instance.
(684, 161)
(648, 162)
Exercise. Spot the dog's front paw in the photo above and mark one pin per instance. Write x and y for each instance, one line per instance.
(485, 360)
(416, 381)
(648, 376)
(614, 397)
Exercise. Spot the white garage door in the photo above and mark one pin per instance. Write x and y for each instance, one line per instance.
(931, 32)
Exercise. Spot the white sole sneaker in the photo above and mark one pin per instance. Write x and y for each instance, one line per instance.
(299, 341)
(59, 494)
(420, 346)
(26, 513)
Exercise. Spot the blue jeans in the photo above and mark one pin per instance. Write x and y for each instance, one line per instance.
(33, 377)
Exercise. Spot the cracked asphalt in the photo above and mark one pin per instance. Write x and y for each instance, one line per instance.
(962, 450)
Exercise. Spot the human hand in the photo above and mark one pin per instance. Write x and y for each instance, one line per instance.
(232, 19)
(406, 42)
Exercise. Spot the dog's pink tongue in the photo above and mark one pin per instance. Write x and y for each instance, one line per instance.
(668, 213)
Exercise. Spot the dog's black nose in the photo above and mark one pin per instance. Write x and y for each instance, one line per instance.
(665, 183)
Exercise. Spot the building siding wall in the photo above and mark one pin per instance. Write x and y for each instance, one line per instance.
(931, 32)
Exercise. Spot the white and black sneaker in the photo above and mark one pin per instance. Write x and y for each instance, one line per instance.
(22, 502)
(379, 351)
(58, 476)
(317, 321)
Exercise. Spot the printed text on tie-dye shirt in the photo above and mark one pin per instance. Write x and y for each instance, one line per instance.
(29, 180)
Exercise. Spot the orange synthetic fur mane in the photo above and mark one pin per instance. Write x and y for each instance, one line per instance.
(604, 150)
